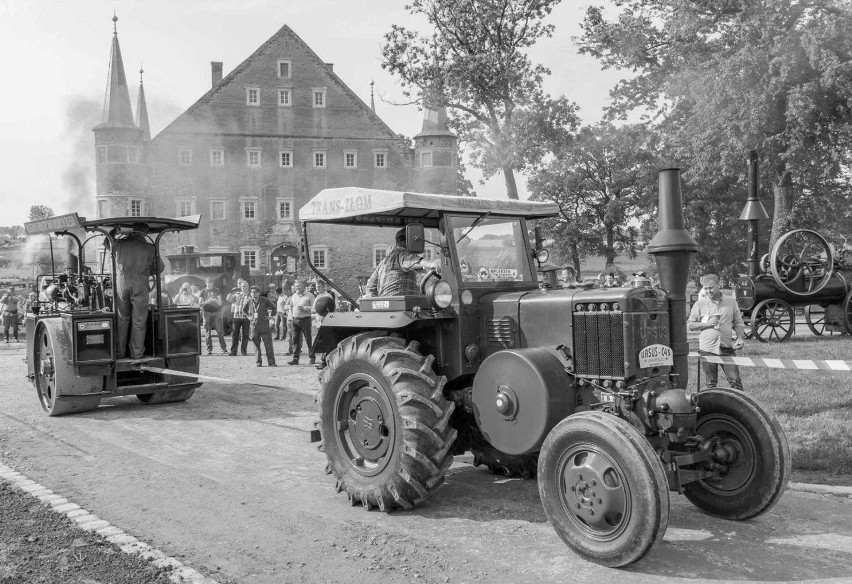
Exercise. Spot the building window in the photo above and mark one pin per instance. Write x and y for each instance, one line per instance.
(253, 158)
(380, 252)
(285, 158)
(319, 158)
(284, 68)
(250, 258)
(381, 159)
(102, 154)
(285, 209)
(350, 159)
(133, 155)
(319, 257)
(135, 208)
(185, 157)
(185, 208)
(217, 157)
(103, 209)
(319, 97)
(252, 96)
(284, 97)
(249, 209)
(217, 210)
(426, 159)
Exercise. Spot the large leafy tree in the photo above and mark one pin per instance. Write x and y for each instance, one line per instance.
(604, 183)
(475, 64)
(40, 212)
(726, 76)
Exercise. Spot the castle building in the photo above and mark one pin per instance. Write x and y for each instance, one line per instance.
(254, 149)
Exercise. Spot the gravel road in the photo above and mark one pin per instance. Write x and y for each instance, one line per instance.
(229, 484)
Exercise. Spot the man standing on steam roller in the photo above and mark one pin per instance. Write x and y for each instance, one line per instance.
(134, 260)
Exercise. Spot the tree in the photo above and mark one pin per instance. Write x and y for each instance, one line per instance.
(476, 66)
(726, 76)
(40, 212)
(604, 183)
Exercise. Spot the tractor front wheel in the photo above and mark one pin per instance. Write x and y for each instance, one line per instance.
(385, 422)
(751, 448)
(603, 488)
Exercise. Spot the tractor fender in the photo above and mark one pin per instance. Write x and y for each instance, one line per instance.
(337, 326)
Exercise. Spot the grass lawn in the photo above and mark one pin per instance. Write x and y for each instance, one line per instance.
(813, 407)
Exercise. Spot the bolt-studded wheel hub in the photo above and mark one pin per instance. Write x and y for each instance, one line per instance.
(364, 419)
(595, 493)
(734, 450)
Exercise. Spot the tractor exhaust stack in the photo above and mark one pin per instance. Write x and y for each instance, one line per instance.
(671, 248)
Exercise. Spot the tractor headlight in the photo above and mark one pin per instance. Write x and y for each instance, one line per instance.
(541, 255)
(440, 294)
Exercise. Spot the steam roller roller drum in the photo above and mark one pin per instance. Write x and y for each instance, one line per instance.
(519, 395)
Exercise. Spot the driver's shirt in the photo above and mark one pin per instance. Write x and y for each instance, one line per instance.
(396, 275)
(710, 340)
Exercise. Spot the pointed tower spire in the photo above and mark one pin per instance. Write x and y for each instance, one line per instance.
(142, 110)
(372, 99)
(117, 110)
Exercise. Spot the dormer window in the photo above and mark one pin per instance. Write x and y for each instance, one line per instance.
(284, 68)
(253, 96)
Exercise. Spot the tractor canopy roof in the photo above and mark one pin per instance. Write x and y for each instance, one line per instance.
(354, 205)
(72, 222)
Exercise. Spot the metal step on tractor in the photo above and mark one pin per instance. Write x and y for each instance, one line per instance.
(72, 330)
(582, 388)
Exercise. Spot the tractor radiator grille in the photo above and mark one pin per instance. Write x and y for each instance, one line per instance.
(599, 344)
(499, 332)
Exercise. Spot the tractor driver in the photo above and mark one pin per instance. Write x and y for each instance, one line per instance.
(396, 275)
(134, 260)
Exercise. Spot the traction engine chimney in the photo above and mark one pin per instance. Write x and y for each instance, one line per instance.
(671, 248)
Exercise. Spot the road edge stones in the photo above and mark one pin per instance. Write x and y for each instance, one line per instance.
(179, 574)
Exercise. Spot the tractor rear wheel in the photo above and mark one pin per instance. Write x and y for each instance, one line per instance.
(385, 422)
(54, 376)
(603, 488)
(751, 446)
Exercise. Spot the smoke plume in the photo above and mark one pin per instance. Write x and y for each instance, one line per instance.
(78, 178)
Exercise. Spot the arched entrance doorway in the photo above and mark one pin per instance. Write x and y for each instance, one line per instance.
(284, 259)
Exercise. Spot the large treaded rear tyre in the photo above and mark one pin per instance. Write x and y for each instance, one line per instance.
(384, 422)
(759, 462)
(603, 488)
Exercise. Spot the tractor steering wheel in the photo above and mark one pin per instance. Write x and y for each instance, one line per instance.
(429, 274)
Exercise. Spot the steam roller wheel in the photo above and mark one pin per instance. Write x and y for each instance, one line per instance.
(385, 422)
(847, 312)
(773, 320)
(751, 448)
(603, 488)
(55, 376)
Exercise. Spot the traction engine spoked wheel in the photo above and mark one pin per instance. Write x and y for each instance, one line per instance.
(847, 312)
(51, 369)
(752, 450)
(773, 320)
(603, 488)
(815, 317)
(384, 421)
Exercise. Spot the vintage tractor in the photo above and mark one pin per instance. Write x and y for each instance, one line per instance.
(71, 332)
(801, 271)
(193, 267)
(583, 387)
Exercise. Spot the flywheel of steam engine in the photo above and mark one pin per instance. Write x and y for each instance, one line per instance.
(802, 262)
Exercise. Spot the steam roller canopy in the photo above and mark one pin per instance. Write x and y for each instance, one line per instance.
(519, 395)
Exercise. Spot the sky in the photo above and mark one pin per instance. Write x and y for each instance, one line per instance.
(54, 55)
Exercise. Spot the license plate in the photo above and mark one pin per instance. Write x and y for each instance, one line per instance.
(94, 339)
(377, 304)
(655, 356)
(607, 398)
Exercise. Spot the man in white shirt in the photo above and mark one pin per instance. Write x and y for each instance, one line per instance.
(301, 303)
(717, 316)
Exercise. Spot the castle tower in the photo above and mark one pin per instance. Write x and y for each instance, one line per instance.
(435, 155)
(120, 171)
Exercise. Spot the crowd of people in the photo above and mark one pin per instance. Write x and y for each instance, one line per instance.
(287, 313)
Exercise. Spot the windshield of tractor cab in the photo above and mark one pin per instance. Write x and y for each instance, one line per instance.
(490, 249)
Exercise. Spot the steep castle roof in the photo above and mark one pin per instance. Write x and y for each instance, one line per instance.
(142, 111)
(117, 110)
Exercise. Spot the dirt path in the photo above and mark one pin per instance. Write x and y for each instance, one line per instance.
(229, 484)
